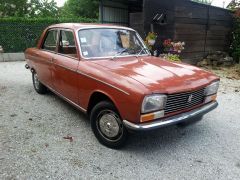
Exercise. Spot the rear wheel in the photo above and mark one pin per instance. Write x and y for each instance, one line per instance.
(38, 86)
(107, 125)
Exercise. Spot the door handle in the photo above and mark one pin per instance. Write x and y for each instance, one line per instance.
(54, 59)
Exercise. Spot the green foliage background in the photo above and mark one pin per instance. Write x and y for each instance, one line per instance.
(17, 34)
(83, 8)
(209, 2)
(235, 46)
(28, 8)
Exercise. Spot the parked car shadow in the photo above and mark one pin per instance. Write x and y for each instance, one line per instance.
(164, 138)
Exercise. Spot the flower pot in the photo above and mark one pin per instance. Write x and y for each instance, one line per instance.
(151, 42)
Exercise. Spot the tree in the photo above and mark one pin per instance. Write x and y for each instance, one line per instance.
(13, 8)
(28, 8)
(208, 2)
(42, 8)
(234, 4)
(83, 8)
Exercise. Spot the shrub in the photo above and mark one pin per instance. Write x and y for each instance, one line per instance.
(235, 46)
(17, 34)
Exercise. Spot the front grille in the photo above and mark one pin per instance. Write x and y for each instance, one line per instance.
(182, 101)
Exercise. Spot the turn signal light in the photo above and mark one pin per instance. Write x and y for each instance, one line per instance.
(151, 116)
(211, 98)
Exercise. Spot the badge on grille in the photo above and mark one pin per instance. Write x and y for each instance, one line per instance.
(190, 98)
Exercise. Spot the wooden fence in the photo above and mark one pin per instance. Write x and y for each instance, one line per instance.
(204, 28)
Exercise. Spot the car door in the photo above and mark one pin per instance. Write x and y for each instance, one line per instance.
(43, 57)
(65, 64)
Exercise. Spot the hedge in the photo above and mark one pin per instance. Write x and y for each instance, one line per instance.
(17, 34)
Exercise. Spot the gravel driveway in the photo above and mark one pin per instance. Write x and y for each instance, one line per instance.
(32, 143)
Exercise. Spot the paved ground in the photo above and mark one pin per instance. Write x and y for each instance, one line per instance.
(32, 146)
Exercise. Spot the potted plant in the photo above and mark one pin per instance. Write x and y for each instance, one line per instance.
(172, 50)
(167, 44)
(151, 39)
(178, 46)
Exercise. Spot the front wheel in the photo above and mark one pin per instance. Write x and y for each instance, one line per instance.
(107, 125)
(38, 86)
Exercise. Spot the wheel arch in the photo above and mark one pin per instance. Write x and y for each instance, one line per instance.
(98, 96)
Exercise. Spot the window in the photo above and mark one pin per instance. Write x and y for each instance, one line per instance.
(107, 42)
(67, 43)
(50, 42)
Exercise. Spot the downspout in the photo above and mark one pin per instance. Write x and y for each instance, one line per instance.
(101, 11)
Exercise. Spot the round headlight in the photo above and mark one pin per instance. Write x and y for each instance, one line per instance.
(212, 88)
(154, 103)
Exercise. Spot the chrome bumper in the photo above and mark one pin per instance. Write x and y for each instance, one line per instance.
(171, 120)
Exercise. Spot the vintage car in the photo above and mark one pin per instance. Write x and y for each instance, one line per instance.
(107, 72)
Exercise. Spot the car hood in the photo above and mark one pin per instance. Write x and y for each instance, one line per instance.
(158, 75)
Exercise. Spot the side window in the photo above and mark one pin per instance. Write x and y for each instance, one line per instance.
(67, 43)
(50, 42)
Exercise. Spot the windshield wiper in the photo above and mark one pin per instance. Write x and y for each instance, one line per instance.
(140, 52)
(119, 53)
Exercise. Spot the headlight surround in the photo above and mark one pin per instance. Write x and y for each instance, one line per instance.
(212, 88)
(153, 103)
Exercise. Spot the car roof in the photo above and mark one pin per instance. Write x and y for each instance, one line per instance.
(77, 26)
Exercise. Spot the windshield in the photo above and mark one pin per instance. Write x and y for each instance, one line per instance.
(107, 42)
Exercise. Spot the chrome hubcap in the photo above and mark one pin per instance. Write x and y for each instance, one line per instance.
(36, 81)
(108, 124)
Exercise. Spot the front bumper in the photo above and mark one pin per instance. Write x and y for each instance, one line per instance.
(187, 116)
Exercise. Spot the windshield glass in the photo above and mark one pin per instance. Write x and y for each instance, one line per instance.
(107, 42)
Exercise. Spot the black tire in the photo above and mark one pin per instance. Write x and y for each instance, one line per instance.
(190, 121)
(38, 86)
(107, 125)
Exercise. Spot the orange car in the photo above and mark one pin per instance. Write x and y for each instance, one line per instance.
(107, 72)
